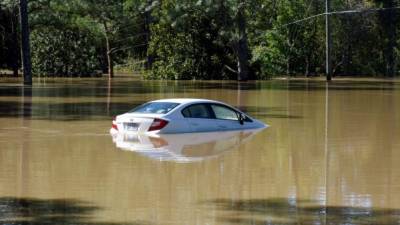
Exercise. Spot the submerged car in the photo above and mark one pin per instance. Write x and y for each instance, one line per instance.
(183, 115)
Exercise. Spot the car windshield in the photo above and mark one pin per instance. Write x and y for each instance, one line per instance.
(155, 107)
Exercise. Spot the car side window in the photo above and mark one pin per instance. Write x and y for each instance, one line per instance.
(224, 113)
(197, 111)
(186, 112)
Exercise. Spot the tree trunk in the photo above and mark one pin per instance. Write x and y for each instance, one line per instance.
(307, 71)
(290, 45)
(148, 21)
(110, 63)
(15, 46)
(388, 22)
(26, 52)
(348, 50)
(391, 62)
(347, 68)
(243, 55)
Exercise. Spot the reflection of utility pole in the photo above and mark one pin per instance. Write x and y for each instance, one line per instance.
(328, 40)
(26, 114)
(326, 149)
(27, 102)
(26, 52)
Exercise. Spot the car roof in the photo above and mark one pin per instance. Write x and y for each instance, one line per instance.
(185, 100)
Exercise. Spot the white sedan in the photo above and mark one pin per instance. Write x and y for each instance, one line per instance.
(183, 115)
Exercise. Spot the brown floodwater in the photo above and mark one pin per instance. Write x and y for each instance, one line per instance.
(330, 155)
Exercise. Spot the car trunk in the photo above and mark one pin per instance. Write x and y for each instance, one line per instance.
(135, 122)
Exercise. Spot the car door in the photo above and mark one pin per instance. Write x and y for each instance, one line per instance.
(226, 117)
(200, 117)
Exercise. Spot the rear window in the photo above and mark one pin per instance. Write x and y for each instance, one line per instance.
(155, 107)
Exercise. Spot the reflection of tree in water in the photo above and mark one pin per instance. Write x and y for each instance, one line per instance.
(18, 211)
(294, 211)
(63, 111)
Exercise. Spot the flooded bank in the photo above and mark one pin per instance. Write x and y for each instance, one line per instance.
(330, 156)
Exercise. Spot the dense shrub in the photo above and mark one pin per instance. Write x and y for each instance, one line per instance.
(64, 52)
(190, 46)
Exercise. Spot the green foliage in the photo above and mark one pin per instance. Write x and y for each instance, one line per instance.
(270, 57)
(193, 40)
(291, 48)
(75, 34)
(77, 57)
(361, 41)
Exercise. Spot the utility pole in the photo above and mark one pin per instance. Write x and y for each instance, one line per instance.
(26, 52)
(328, 41)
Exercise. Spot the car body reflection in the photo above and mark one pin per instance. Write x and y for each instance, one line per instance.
(188, 147)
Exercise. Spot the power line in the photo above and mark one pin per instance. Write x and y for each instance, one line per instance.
(339, 13)
(126, 48)
(302, 20)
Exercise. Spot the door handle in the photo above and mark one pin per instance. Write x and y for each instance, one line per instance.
(194, 124)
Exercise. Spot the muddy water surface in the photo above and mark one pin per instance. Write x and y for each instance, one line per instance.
(330, 156)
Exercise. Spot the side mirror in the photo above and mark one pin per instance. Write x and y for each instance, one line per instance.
(241, 118)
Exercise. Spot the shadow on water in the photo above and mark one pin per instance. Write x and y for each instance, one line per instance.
(26, 102)
(63, 111)
(260, 112)
(309, 85)
(296, 211)
(21, 211)
(100, 89)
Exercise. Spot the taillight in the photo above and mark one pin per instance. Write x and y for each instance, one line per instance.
(114, 126)
(158, 124)
(113, 123)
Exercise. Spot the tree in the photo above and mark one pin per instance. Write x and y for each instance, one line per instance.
(243, 53)
(77, 57)
(216, 37)
(9, 40)
(202, 39)
(26, 52)
(63, 43)
(389, 25)
(108, 14)
(121, 27)
(188, 42)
